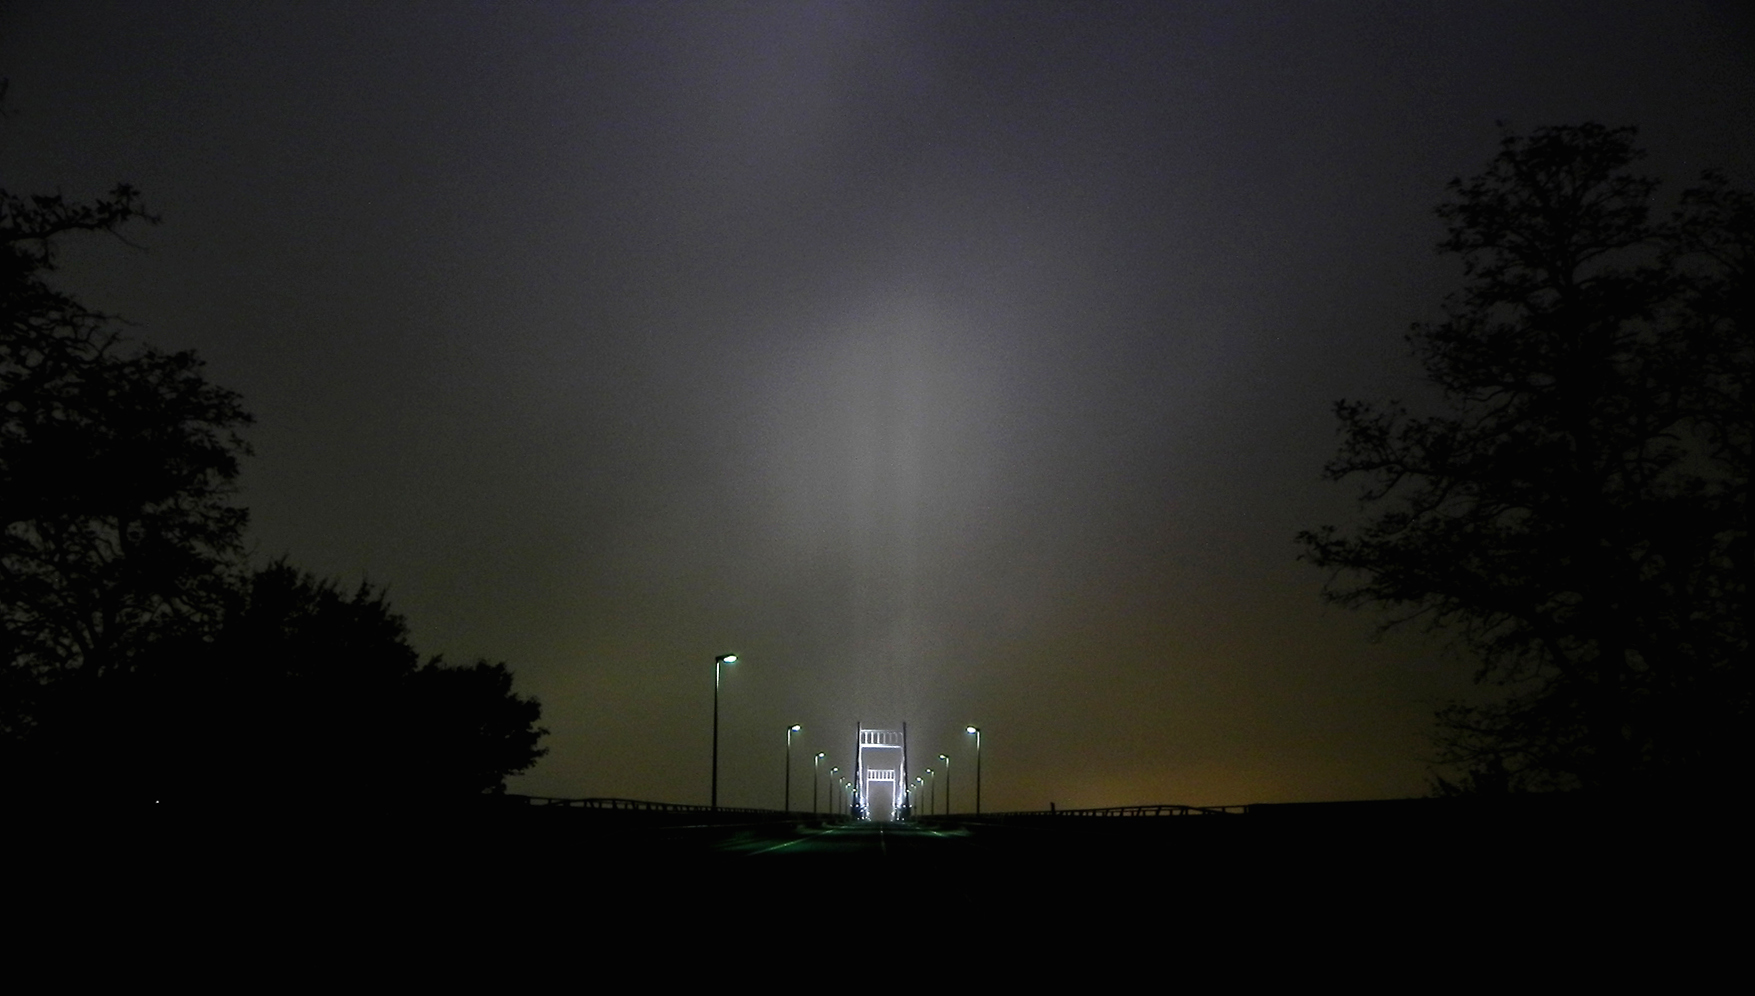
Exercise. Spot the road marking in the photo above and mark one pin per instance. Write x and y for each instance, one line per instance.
(800, 840)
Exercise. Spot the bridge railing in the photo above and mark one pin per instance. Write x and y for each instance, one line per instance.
(643, 806)
(1152, 809)
(1156, 809)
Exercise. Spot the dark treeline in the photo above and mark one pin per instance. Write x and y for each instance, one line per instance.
(140, 657)
(1575, 512)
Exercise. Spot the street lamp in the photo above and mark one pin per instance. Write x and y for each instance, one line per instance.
(816, 770)
(946, 758)
(790, 730)
(931, 792)
(717, 662)
(977, 731)
(834, 785)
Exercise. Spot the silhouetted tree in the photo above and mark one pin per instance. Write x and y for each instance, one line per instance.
(1577, 516)
(117, 465)
(464, 730)
(305, 697)
(137, 657)
(322, 697)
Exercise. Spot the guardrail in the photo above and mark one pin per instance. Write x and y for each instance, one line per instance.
(642, 806)
(1153, 809)
(1158, 809)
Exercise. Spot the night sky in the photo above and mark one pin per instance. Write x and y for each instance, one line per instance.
(951, 363)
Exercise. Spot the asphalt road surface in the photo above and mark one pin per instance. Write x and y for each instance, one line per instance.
(867, 841)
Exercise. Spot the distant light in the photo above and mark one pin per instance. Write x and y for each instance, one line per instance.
(728, 659)
(971, 730)
(796, 727)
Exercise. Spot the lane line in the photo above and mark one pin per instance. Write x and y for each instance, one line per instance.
(800, 840)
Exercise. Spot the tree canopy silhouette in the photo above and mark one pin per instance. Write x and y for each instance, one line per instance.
(1576, 516)
(322, 695)
(117, 470)
(138, 655)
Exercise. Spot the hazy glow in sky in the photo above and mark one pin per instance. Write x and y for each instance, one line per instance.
(951, 363)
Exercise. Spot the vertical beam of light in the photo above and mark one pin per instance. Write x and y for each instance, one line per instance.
(879, 449)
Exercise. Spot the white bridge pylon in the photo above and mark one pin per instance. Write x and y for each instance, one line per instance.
(894, 774)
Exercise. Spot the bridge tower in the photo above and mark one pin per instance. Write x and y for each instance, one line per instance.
(890, 772)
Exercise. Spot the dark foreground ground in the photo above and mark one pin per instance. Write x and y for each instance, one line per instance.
(1621, 879)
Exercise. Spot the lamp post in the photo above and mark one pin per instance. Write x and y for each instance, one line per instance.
(931, 791)
(816, 773)
(946, 758)
(790, 730)
(722, 659)
(977, 731)
(834, 785)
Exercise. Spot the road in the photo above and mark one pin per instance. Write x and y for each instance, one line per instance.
(879, 841)
(581, 868)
